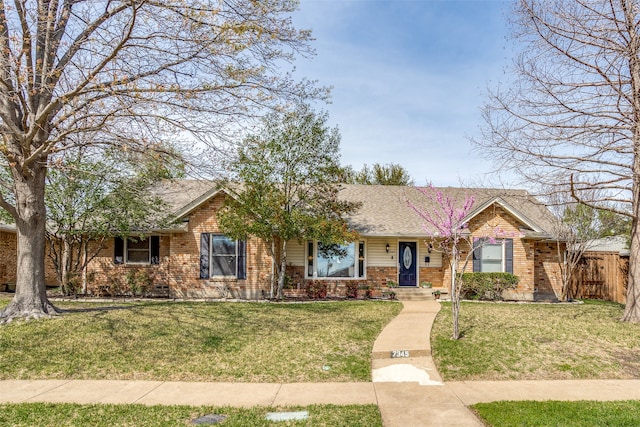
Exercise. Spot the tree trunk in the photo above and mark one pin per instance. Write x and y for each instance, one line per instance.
(65, 266)
(455, 294)
(632, 309)
(85, 261)
(283, 269)
(30, 300)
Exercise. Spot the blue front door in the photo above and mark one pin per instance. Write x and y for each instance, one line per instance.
(407, 260)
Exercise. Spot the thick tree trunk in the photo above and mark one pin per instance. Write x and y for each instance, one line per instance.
(632, 309)
(30, 300)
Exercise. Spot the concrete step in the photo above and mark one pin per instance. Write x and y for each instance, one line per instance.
(416, 294)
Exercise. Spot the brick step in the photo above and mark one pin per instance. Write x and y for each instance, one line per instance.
(416, 294)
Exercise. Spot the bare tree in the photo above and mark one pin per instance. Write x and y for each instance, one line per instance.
(125, 73)
(574, 230)
(571, 117)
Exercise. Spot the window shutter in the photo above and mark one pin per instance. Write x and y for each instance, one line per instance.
(155, 249)
(204, 255)
(242, 260)
(310, 258)
(508, 255)
(118, 250)
(477, 254)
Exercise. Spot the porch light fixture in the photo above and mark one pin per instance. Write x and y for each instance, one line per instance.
(387, 248)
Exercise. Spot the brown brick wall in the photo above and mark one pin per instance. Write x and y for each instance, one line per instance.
(379, 276)
(102, 272)
(497, 222)
(185, 260)
(548, 279)
(534, 263)
(8, 245)
(179, 266)
(433, 275)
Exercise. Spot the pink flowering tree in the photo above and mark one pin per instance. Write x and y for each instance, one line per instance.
(445, 219)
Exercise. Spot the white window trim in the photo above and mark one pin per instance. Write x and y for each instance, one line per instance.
(211, 256)
(356, 269)
(126, 252)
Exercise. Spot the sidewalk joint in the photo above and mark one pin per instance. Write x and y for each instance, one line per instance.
(46, 391)
(275, 397)
(149, 392)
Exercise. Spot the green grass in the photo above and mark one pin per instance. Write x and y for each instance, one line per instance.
(560, 414)
(536, 341)
(55, 415)
(195, 341)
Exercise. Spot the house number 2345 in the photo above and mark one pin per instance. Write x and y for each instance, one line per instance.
(399, 353)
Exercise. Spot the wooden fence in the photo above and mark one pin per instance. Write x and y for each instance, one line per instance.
(601, 275)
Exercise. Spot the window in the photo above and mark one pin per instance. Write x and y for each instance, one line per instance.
(141, 250)
(335, 260)
(493, 257)
(221, 256)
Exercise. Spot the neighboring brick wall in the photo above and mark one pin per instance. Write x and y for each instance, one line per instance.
(8, 245)
(8, 259)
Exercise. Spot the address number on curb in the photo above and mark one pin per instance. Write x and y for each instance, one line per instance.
(399, 353)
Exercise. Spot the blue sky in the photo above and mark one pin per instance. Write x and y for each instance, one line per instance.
(409, 78)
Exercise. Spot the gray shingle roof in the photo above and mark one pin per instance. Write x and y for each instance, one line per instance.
(618, 244)
(180, 194)
(384, 210)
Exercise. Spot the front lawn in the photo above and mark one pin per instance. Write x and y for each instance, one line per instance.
(561, 414)
(55, 415)
(536, 341)
(195, 341)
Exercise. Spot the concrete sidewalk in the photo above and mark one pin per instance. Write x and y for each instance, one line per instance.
(186, 393)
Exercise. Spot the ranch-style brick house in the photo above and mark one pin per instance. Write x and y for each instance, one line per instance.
(194, 259)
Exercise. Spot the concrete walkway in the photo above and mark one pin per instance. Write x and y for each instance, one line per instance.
(407, 388)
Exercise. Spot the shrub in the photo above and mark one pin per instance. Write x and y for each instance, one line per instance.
(487, 286)
(352, 289)
(139, 281)
(316, 290)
